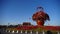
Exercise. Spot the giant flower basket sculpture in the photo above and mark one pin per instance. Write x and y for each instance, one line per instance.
(40, 17)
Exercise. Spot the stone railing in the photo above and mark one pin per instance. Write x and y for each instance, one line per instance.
(30, 32)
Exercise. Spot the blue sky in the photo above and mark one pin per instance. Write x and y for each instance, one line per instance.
(19, 11)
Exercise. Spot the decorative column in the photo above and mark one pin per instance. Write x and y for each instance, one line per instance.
(9, 31)
(6, 30)
(58, 32)
(43, 32)
(31, 32)
(26, 32)
(36, 32)
(21, 31)
(13, 31)
(17, 31)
